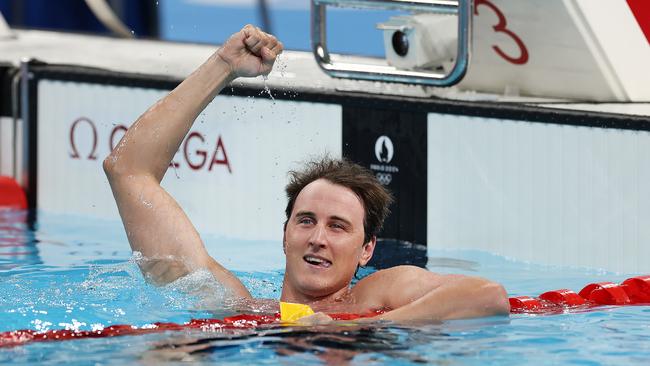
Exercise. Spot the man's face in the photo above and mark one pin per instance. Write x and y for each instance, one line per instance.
(324, 239)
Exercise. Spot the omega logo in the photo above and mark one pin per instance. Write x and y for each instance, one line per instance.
(206, 158)
(384, 149)
(219, 155)
(75, 153)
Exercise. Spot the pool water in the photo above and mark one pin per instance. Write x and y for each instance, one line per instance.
(79, 273)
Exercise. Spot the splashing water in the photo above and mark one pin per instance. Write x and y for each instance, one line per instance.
(280, 65)
(267, 90)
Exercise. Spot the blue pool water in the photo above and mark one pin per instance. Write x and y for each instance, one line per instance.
(75, 272)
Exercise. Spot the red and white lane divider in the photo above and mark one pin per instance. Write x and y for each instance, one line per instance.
(633, 291)
(242, 321)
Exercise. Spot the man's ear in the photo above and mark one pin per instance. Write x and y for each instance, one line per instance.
(368, 250)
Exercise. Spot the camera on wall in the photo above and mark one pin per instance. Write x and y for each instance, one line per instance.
(420, 41)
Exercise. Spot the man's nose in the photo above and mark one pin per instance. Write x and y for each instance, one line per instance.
(318, 237)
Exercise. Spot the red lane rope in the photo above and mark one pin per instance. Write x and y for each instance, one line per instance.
(633, 291)
(243, 321)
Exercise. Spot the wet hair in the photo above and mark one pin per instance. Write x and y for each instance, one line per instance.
(343, 172)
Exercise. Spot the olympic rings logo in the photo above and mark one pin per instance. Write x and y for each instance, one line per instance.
(384, 178)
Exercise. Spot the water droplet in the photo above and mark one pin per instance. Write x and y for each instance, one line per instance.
(267, 90)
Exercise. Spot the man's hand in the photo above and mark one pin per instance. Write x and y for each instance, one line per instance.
(250, 52)
(316, 319)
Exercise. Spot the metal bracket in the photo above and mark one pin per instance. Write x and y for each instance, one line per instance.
(462, 8)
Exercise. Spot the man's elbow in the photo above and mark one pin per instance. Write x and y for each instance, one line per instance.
(495, 299)
(109, 165)
(113, 168)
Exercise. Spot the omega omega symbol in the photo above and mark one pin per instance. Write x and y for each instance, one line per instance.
(205, 159)
(384, 149)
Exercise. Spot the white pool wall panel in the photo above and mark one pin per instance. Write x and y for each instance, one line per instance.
(547, 193)
(6, 146)
(261, 138)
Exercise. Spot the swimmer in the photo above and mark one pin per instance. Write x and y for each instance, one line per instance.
(334, 214)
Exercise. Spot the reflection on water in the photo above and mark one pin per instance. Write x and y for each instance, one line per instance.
(331, 344)
(17, 241)
(440, 264)
(391, 252)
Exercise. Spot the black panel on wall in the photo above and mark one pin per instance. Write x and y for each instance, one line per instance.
(393, 144)
(5, 91)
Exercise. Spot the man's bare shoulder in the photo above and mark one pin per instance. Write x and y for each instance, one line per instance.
(395, 286)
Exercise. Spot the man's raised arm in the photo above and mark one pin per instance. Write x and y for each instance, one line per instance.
(155, 224)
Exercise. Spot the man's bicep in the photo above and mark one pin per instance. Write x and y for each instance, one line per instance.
(157, 227)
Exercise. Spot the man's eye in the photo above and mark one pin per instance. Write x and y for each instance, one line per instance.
(337, 226)
(305, 220)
